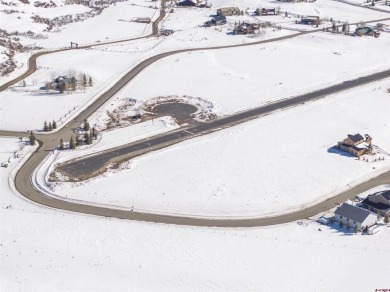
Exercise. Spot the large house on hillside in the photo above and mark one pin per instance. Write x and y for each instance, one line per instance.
(351, 215)
(378, 203)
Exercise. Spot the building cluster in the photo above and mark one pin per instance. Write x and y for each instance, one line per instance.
(352, 216)
(367, 31)
(62, 83)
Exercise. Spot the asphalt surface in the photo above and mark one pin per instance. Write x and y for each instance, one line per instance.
(24, 177)
(90, 166)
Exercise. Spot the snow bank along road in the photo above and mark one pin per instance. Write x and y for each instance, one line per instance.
(23, 178)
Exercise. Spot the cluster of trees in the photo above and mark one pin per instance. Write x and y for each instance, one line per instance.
(336, 28)
(69, 83)
(49, 127)
(86, 139)
(348, 226)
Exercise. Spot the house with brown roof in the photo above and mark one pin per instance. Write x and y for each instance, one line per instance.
(350, 144)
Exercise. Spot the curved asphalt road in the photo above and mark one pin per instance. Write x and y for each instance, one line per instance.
(32, 61)
(48, 142)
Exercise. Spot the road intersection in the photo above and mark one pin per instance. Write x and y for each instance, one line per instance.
(24, 177)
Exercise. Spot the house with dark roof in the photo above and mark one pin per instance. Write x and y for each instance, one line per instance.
(362, 31)
(186, 3)
(216, 20)
(265, 11)
(350, 144)
(351, 215)
(378, 203)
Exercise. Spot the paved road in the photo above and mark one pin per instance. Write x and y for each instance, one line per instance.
(49, 141)
(32, 62)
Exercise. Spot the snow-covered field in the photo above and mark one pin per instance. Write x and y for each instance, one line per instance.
(271, 165)
(287, 155)
(240, 78)
(45, 250)
(104, 68)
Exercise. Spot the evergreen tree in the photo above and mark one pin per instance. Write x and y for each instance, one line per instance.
(72, 143)
(45, 127)
(341, 223)
(32, 138)
(84, 80)
(50, 127)
(79, 141)
(88, 139)
(73, 81)
(90, 83)
(94, 133)
(54, 124)
(61, 87)
(86, 125)
(355, 229)
(62, 146)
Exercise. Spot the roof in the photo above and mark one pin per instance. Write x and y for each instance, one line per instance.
(356, 138)
(386, 195)
(186, 3)
(219, 17)
(229, 8)
(378, 206)
(352, 212)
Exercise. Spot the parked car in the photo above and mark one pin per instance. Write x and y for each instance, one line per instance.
(323, 220)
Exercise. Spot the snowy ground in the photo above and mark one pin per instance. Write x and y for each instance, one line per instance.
(104, 68)
(114, 23)
(264, 73)
(323, 8)
(283, 152)
(54, 250)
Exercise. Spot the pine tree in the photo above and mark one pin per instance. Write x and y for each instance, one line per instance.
(88, 139)
(79, 141)
(61, 87)
(32, 138)
(90, 83)
(341, 223)
(73, 81)
(72, 144)
(50, 127)
(62, 146)
(94, 133)
(45, 127)
(86, 125)
(355, 229)
(54, 124)
(84, 80)
(333, 27)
